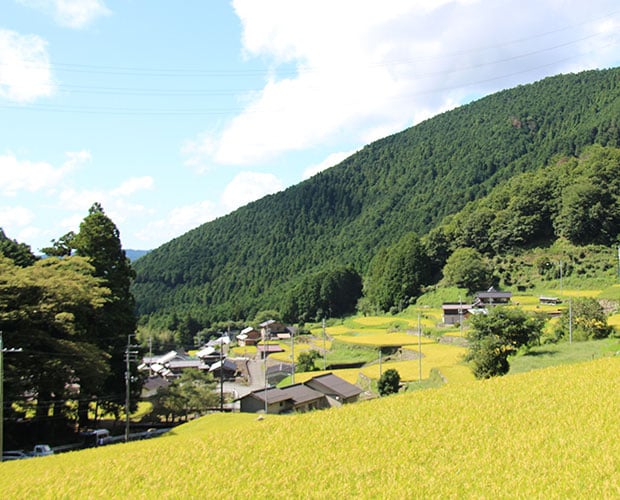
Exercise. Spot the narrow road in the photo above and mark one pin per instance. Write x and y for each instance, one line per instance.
(256, 369)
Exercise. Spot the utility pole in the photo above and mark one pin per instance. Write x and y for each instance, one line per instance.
(150, 355)
(460, 316)
(419, 350)
(129, 356)
(221, 374)
(293, 354)
(324, 350)
(570, 321)
(266, 335)
(2, 351)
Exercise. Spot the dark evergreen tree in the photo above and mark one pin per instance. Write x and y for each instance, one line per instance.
(19, 253)
(99, 240)
(389, 382)
(397, 275)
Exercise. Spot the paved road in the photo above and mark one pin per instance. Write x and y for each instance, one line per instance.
(257, 379)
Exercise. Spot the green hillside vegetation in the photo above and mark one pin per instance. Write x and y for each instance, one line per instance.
(252, 259)
(499, 438)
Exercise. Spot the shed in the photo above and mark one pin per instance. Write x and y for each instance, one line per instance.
(454, 312)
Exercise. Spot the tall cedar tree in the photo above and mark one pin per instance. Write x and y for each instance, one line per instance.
(99, 240)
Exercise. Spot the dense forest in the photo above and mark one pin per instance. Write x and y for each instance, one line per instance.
(411, 182)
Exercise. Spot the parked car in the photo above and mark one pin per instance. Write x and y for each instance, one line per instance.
(14, 455)
(42, 450)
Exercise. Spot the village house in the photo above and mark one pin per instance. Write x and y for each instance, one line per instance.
(272, 329)
(249, 336)
(338, 391)
(320, 392)
(491, 297)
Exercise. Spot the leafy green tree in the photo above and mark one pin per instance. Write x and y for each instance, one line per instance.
(496, 335)
(305, 361)
(589, 321)
(262, 316)
(467, 268)
(47, 309)
(99, 240)
(488, 357)
(590, 201)
(190, 394)
(389, 382)
(62, 247)
(396, 275)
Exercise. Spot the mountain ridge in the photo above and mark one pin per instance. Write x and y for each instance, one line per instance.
(407, 182)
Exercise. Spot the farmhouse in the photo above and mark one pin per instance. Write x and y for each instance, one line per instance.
(320, 392)
(248, 337)
(226, 369)
(491, 297)
(272, 328)
(337, 390)
(271, 398)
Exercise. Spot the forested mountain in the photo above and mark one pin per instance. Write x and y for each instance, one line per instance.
(408, 182)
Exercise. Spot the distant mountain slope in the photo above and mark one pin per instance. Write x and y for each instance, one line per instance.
(135, 254)
(231, 267)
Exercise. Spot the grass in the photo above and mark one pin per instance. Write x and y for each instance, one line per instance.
(549, 433)
(563, 353)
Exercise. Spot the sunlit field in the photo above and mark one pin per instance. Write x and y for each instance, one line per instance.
(550, 433)
(384, 339)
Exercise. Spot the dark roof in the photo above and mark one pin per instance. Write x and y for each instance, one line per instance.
(336, 385)
(300, 393)
(455, 306)
(492, 292)
(273, 394)
(280, 368)
(269, 348)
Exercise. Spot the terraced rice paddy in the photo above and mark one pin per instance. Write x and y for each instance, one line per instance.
(549, 433)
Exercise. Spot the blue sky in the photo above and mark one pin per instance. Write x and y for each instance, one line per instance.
(171, 114)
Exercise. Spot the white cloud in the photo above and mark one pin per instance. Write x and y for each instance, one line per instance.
(15, 216)
(366, 69)
(178, 221)
(76, 14)
(24, 175)
(25, 73)
(243, 189)
(247, 187)
(330, 161)
(133, 185)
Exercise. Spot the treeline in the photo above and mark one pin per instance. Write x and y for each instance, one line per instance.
(252, 259)
(577, 199)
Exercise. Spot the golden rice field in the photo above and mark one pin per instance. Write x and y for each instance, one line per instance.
(384, 339)
(548, 433)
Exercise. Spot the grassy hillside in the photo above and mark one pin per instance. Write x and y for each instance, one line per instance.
(231, 267)
(550, 433)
